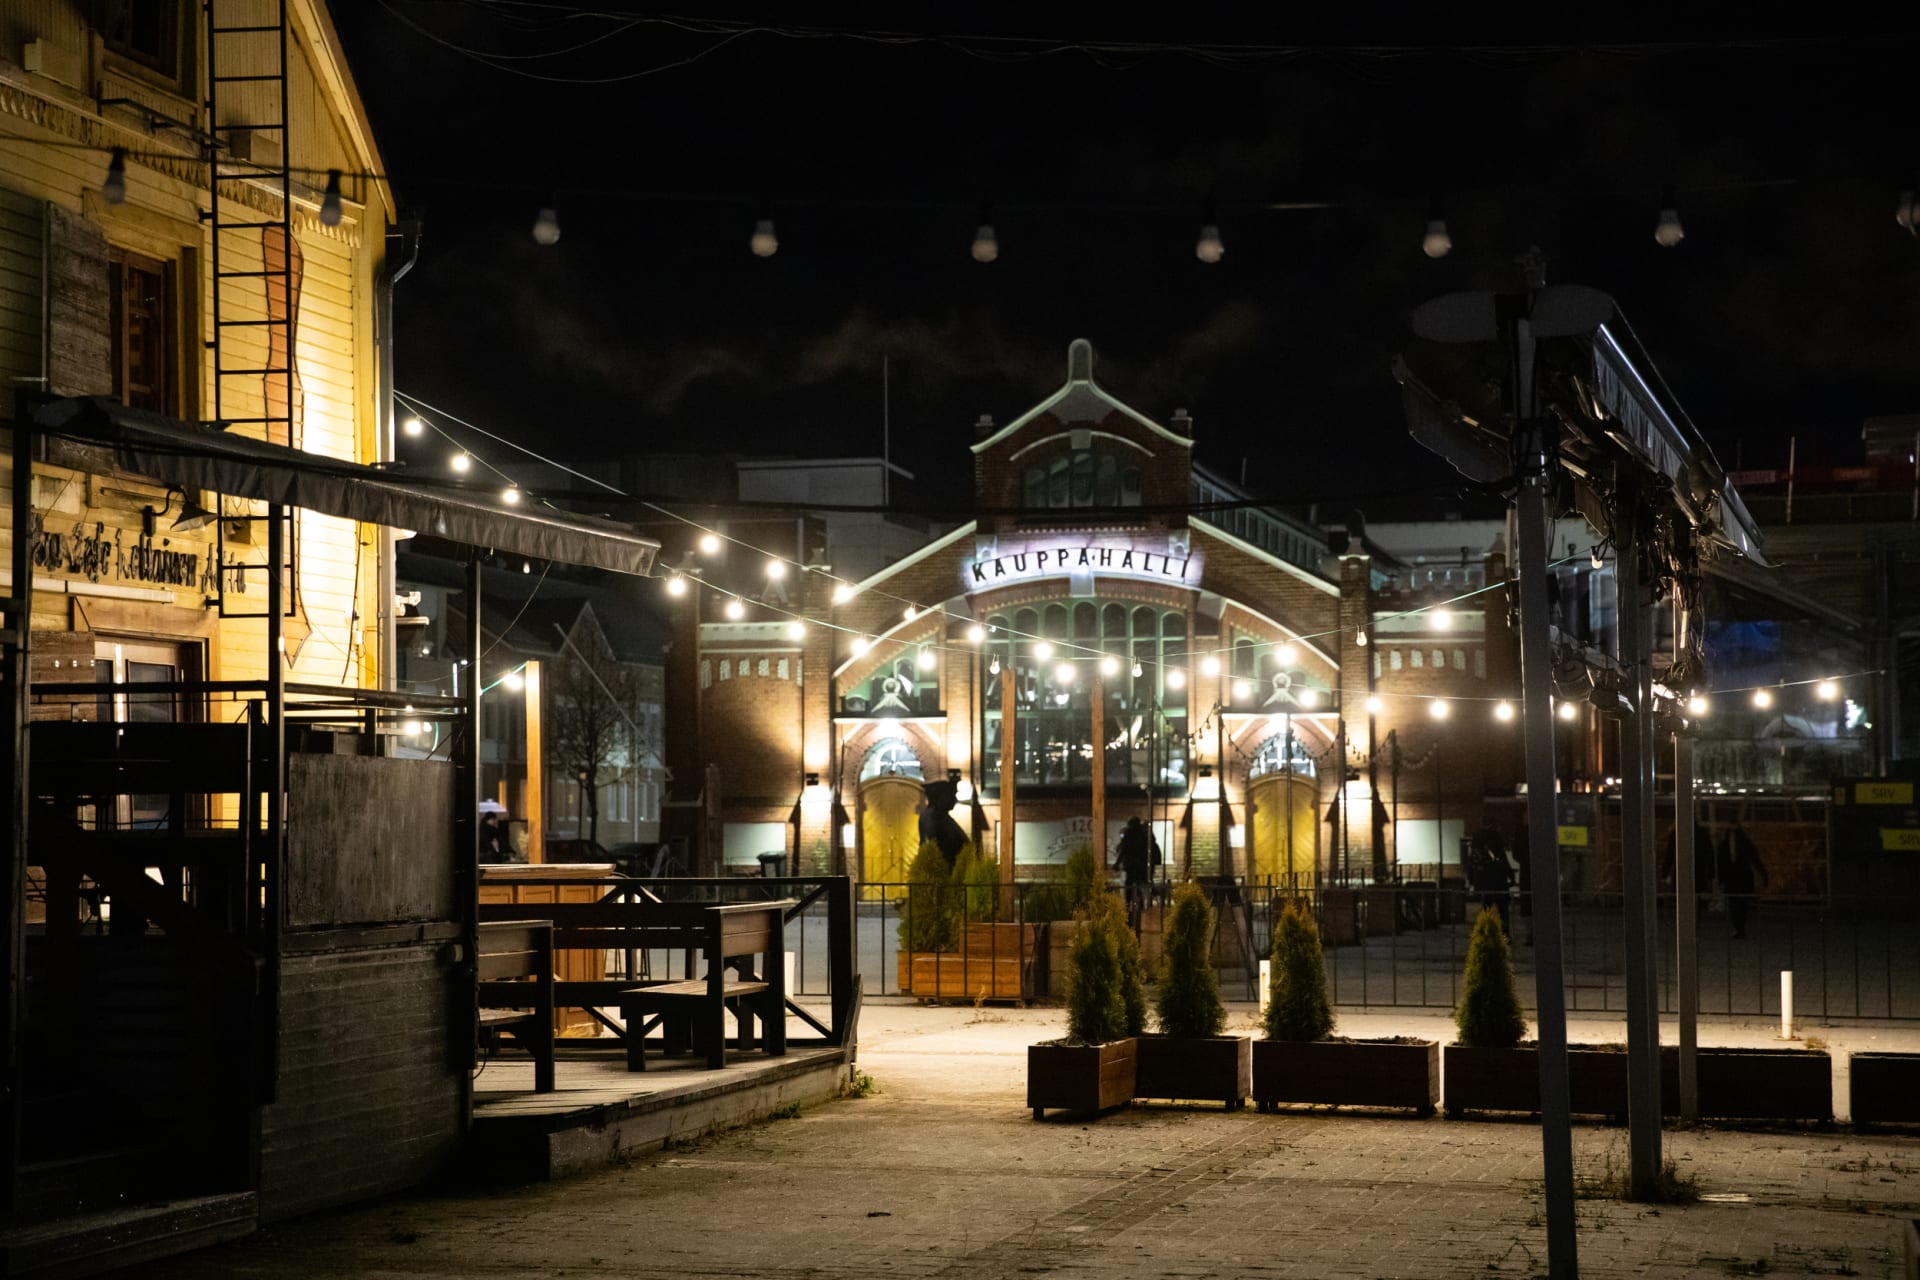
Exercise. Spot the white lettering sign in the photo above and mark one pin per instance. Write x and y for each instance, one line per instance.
(1002, 563)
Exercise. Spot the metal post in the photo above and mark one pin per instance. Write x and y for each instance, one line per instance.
(1634, 606)
(1536, 686)
(1220, 794)
(1009, 722)
(1098, 712)
(1687, 955)
(466, 829)
(18, 673)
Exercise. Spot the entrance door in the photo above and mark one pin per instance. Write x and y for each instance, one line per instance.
(1285, 843)
(889, 832)
(124, 662)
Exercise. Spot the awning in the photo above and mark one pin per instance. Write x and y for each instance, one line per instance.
(194, 456)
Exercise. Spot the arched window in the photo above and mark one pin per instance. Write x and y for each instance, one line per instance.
(1273, 754)
(1083, 478)
(891, 758)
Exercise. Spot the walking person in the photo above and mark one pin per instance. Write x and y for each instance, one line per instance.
(1740, 871)
(1492, 875)
(1137, 852)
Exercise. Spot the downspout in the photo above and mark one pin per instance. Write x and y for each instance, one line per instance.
(392, 269)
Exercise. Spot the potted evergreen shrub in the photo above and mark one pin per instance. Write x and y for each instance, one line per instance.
(1063, 901)
(1092, 1067)
(927, 923)
(1189, 1058)
(1302, 1061)
(997, 957)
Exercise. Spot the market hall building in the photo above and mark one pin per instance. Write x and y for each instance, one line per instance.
(1242, 696)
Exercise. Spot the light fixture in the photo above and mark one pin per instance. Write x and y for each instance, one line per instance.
(1374, 704)
(1176, 678)
(709, 544)
(1442, 619)
(962, 791)
(976, 634)
(1438, 708)
(860, 645)
(1762, 698)
(993, 665)
(1569, 711)
(546, 227)
(514, 680)
(927, 660)
(1209, 666)
(413, 728)
(842, 593)
(1309, 698)
(413, 426)
(1826, 691)
(1360, 637)
(735, 609)
(1138, 671)
(1242, 689)
(330, 202)
(1109, 666)
(1208, 248)
(676, 586)
(461, 463)
(1064, 673)
(1287, 654)
(1042, 651)
(113, 189)
(986, 245)
(510, 495)
(796, 630)
(526, 566)
(1599, 561)
(1436, 243)
(1503, 711)
(1696, 706)
(909, 613)
(764, 242)
(776, 570)
(1668, 232)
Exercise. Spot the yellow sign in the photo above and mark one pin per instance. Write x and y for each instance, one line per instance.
(1883, 793)
(1573, 836)
(1900, 839)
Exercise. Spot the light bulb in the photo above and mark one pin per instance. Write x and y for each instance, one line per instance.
(776, 570)
(1360, 637)
(1309, 698)
(1436, 243)
(909, 613)
(1442, 619)
(413, 426)
(1138, 671)
(1109, 666)
(993, 665)
(1064, 673)
(1907, 212)
(735, 610)
(796, 630)
(1668, 232)
(927, 660)
(413, 728)
(1438, 708)
(1696, 706)
(709, 544)
(676, 586)
(1209, 666)
(1208, 247)
(1503, 711)
(976, 634)
(986, 246)
(1568, 711)
(1762, 699)
(330, 202)
(842, 593)
(526, 566)
(1242, 689)
(513, 680)
(1287, 655)
(546, 227)
(860, 645)
(1826, 691)
(1042, 651)
(460, 462)
(510, 496)
(1374, 704)
(1176, 678)
(764, 242)
(113, 189)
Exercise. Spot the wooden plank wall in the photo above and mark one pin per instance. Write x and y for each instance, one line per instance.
(369, 841)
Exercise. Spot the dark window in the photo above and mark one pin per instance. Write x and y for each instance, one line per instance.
(143, 31)
(142, 331)
(1085, 478)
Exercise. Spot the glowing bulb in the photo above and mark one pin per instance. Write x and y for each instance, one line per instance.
(1138, 671)
(1109, 666)
(1826, 691)
(510, 495)
(1064, 673)
(1309, 698)
(709, 544)
(764, 242)
(1209, 666)
(796, 630)
(413, 426)
(513, 680)
(1176, 678)
(993, 666)
(546, 227)
(1287, 655)
(330, 202)
(776, 570)
(1668, 232)
(986, 246)
(1696, 706)
(1442, 619)
(1374, 704)
(1242, 689)
(676, 586)
(1503, 711)
(1436, 243)
(1438, 708)
(842, 593)
(1042, 650)
(1568, 711)
(927, 660)
(909, 613)
(413, 728)
(735, 610)
(1208, 247)
(1599, 561)
(1762, 699)
(860, 645)
(1360, 637)
(461, 463)
(976, 634)
(114, 188)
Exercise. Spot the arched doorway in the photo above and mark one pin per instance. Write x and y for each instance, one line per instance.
(891, 795)
(1284, 833)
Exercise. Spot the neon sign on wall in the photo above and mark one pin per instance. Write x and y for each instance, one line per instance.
(996, 563)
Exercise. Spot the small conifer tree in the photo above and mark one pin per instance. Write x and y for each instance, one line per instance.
(1489, 1015)
(976, 884)
(1297, 1007)
(929, 923)
(1083, 877)
(1188, 1001)
(1106, 997)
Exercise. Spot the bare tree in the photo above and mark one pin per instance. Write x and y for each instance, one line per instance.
(591, 731)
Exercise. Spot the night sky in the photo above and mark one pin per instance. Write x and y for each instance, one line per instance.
(1792, 308)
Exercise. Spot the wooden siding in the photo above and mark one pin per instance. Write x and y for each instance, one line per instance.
(368, 1097)
(369, 840)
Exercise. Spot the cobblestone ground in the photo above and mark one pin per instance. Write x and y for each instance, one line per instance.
(942, 1172)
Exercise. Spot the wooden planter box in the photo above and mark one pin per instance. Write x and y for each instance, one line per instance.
(1885, 1088)
(1194, 1067)
(1509, 1080)
(1079, 1077)
(1755, 1084)
(993, 962)
(1347, 1073)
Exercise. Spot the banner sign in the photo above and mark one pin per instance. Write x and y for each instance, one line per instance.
(97, 553)
(997, 563)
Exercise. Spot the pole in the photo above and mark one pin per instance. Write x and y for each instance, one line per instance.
(1636, 852)
(1009, 722)
(1099, 713)
(18, 674)
(1686, 939)
(1220, 795)
(1536, 693)
(536, 766)
(1292, 881)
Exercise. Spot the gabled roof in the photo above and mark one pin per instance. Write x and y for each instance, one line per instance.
(1080, 400)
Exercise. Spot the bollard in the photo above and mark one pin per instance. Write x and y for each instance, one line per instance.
(1266, 985)
(1786, 1004)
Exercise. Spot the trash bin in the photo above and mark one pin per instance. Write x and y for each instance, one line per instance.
(773, 864)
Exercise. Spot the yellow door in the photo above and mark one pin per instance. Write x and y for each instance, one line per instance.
(889, 833)
(1281, 801)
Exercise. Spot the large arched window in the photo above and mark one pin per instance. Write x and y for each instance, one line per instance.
(1083, 478)
(891, 758)
(1274, 755)
(1145, 717)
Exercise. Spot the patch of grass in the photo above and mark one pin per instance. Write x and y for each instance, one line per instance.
(789, 1112)
(1816, 1043)
(1615, 1182)
(861, 1086)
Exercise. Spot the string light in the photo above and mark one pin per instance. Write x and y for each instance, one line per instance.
(510, 495)
(1210, 666)
(1138, 671)
(986, 245)
(1697, 706)
(1568, 711)
(976, 634)
(1439, 709)
(796, 630)
(1064, 673)
(1436, 243)
(735, 610)
(1826, 691)
(1503, 711)
(1176, 678)
(1907, 213)
(1042, 650)
(1208, 248)
(113, 189)
(1242, 689)
(776, 570)
(1668, 232)
(860, 645)
(546, 227)
(909, 613)
(842, 593)
(927, 660)
(1599, 561)
(1360, 638)
(461, 463)
(1287, 655)
(513, 680)
(1442, 619)
(1309, 698)
(709, 544)
(413, 426)
(764, 242)
(330, 201)
(1374, 704)
(1109, 666)
(676, 586)
(1762, 699)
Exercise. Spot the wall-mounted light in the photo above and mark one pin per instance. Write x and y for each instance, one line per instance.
(330, 201)
(113, 188)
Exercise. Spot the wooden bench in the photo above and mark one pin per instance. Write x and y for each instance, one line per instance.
(679, 1006)
(516, 989)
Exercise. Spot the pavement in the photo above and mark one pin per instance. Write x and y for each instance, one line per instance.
(940, 1171)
